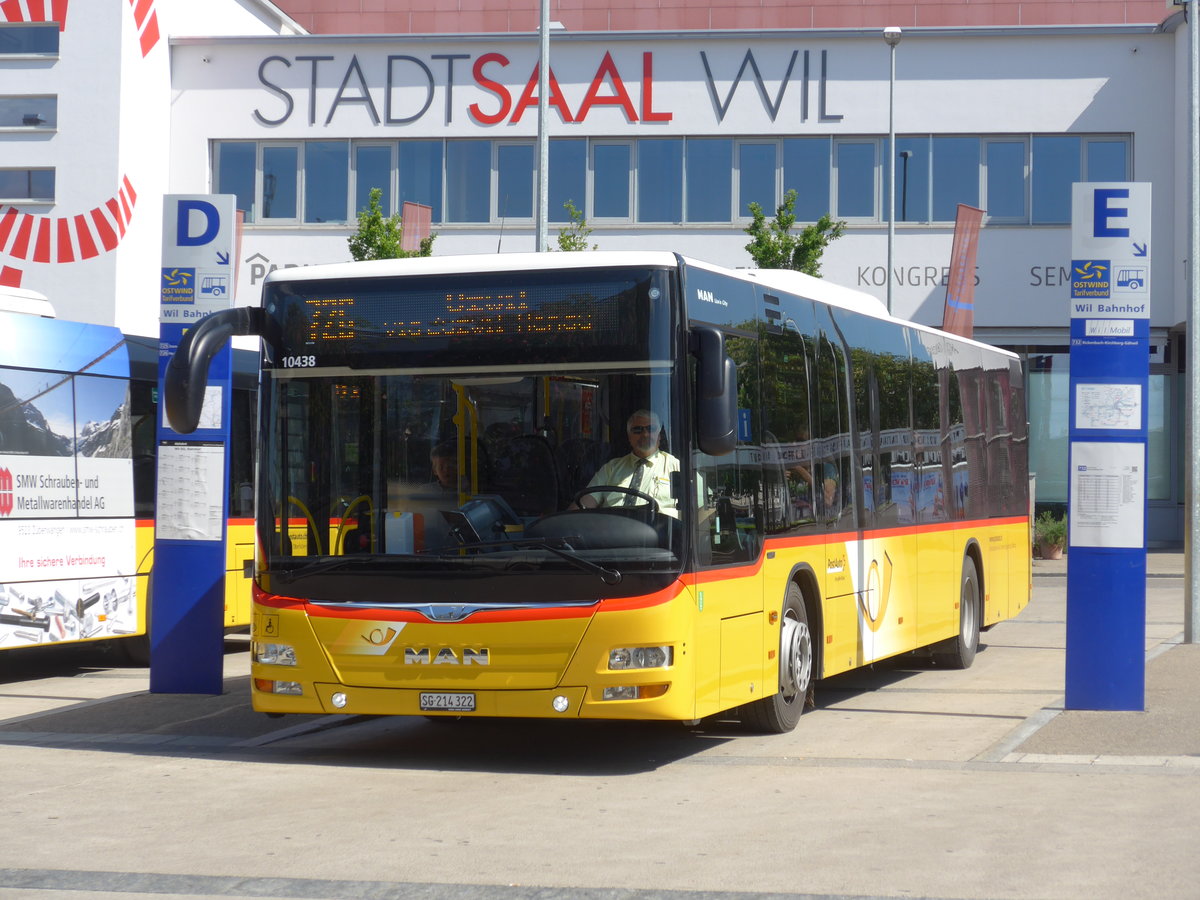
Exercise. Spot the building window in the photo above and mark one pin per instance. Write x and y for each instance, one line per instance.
(373, 169)
(20, 39)
(913, 165)
(27, 184)
(568, 178)
(854, 172)
(660, 180)
(29, 113)
(514, 182)
(709, 179)
(468, 180)
(420, 171)
(612, 179)
(280, 174)
(326, 181)
(757, 172)
(807, 169)
(1005, 183)
(235, 165)
(1016, 180)
(955, 175)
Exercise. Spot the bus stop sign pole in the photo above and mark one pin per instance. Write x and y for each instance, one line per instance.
(1106, 488)
(188, 593)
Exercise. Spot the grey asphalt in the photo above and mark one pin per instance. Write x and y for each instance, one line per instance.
(905, 781)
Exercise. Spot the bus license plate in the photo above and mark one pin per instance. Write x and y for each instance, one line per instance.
(444, 702)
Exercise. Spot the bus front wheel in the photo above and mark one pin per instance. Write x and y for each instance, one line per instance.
(780, 712)
(959, 652)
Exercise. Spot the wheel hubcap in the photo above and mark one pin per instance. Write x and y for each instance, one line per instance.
(795, 647)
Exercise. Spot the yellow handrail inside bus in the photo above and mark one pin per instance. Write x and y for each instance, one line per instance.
(312, 523)
(337, 541)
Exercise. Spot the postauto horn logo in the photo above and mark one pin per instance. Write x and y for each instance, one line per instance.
(6, 492)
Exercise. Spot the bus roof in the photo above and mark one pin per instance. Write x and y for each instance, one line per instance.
(20, 300)
(784, 280)
(480, 262)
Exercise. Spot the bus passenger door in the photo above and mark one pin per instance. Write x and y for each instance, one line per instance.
(728, 544)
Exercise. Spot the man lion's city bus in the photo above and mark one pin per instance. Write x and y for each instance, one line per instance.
(838, 487)
(77, 482)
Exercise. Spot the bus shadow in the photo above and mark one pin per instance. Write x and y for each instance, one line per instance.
(225, 726)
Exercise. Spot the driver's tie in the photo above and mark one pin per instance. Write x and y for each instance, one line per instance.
(635, 483)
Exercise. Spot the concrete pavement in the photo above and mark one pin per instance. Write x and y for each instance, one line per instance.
(904, 781)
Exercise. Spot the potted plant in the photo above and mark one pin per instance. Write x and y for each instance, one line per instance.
(1050, 535)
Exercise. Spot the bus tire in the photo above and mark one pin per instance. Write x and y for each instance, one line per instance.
(779, 713)
(959, 652)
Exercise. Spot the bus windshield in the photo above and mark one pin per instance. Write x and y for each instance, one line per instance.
(457, 451)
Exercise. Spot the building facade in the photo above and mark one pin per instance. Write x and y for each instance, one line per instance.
(664, 124)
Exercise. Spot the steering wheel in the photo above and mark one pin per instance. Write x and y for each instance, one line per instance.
(613, 489)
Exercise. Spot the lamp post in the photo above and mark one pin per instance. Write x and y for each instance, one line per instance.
(1191, 610)
(541, 242)
(892, 37)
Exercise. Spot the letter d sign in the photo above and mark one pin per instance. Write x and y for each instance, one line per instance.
(205, 214)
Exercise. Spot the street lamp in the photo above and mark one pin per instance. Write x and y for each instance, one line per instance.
(891, 37)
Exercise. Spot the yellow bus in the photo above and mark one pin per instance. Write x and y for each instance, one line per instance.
(613, 486)
(77, 482)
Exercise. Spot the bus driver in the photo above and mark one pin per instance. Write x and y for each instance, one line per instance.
(647, 469)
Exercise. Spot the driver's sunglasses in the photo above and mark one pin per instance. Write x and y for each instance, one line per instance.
(643, 429)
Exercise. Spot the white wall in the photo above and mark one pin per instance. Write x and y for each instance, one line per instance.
(1090, 83)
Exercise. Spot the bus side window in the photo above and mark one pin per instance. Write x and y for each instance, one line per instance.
(731, 487)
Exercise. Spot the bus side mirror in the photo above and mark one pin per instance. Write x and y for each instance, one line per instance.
(186, 377)
(716, 393)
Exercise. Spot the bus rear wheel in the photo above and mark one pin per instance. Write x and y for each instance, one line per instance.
(959, 652)
(780, 712)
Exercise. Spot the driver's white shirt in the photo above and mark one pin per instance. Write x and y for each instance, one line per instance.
(656, 480)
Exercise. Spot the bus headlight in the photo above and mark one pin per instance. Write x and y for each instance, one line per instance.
(274, 654)
(633, 692)
(267, 686)
(641, 657)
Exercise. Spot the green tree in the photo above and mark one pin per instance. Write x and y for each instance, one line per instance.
(575, 235)
(379, 238)
(773, 245)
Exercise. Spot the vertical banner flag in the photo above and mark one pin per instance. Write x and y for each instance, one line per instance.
(959, 314)
(416, 221)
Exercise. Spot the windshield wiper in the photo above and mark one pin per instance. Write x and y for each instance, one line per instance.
(563, 551)
(332, 564)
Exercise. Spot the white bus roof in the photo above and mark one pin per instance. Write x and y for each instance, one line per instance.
(20, 300)
(784, 280)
